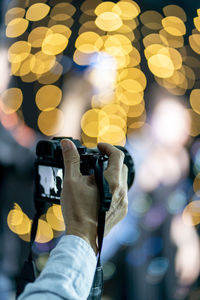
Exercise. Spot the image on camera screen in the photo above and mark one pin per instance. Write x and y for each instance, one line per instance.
(50, 182)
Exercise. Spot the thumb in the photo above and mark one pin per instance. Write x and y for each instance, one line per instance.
(71, 158)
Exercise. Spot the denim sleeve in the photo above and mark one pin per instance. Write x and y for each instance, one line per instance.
(68, 273)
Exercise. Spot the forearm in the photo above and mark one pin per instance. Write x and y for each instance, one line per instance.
(68, 273)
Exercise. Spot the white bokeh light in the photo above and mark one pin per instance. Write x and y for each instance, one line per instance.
(171, 123)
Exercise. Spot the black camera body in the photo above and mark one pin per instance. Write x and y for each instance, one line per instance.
(49, 167)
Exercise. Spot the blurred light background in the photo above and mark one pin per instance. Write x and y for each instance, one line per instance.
(122, 72)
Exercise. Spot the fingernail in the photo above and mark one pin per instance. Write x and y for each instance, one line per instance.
(66, 145)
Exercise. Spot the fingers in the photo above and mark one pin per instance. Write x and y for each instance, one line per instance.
(119, 204)
(115, 163)
(116, 156)
(120, 194)
(71, 159)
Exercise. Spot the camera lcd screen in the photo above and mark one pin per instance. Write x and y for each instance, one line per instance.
(50, 182)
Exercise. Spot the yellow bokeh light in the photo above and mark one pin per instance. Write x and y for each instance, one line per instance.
(106, 6)
(198, 12)
(152, 50)
(89, 6)
(52, 76)
(90, 26)
(195, 31)
(129, 98)
(133, 74)
(174, 26)
(114, 135)
(14, 13)
(196, 185)
(133, 24)
(136, 110)
(171, 86)
(117, 121)
(177, 79)
(175, 10)
(62, 29)
(117, 45)
(135, 126)
(11, 100)
(25, 67)
(68, 22)
(51, 122)
(177, 84)
(37, 36)
(126, 31)
(15, 68)
(42, 63)
(44, 232)
(81, 58)
(37, 11)
(137, 122)
(30, 77)
(108, 21)
(183, 52)
(161, 65)
(88, 13)
(131, 85)
(195, 100)
(122, 61)
(87, 141)
(197, 23)
(48, 97)
(19, 51)
(18, 222)
(191, 214)
(62, 11)
(195, 123)
(194, 63)
(153, 38)
(178, 91)
(151, 19)
(15, 216)
(190, 75)
(144, 31)
(95, 122)
(58, 212)
(54, 44)
(54, 218)
(89, 42)
(174, 55)
(171, 40)
(135, 58)
(16, 27)
(103, 99)
(194, 41)
(127, 10)
(115, 109)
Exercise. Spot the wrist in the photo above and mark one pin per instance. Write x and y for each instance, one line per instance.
(91, 240)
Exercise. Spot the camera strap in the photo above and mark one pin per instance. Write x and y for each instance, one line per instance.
(29, 272)
(105, 202)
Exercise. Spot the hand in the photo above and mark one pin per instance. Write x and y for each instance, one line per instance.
(80, 196)
(116, 175)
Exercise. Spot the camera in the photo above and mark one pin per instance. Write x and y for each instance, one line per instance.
(49, 166)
